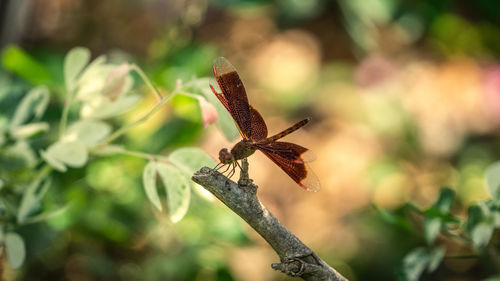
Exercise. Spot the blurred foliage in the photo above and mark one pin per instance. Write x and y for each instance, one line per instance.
(37, 185)
(405, 100)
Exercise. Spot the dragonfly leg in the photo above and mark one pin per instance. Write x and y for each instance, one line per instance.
(227, 169)
(239, 165)
(233, 170)
(218, 166)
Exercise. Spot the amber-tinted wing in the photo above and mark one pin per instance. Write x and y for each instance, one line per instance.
(259, 128)
(234, 98)
(292, 159)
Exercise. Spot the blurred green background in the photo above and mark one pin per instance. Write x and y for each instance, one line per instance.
(404, 95)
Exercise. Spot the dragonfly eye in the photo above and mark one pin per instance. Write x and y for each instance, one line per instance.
(225, 156)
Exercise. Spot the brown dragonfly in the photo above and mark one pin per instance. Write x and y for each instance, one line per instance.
(290, 157)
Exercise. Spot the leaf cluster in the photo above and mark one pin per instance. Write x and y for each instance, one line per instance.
(441, 226)
(35, 152)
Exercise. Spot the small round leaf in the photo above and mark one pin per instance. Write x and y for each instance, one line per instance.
(75, 61)
(88, 132)
(54, 163)
(435, 257)
(149, 181)
(481, 234)
(71, 153)
(177, 188)
(190, 159)
(32, 105)
(16, 252)
(415, 263)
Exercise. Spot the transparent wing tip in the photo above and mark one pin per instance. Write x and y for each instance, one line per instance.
(310, 182)
(222, 66)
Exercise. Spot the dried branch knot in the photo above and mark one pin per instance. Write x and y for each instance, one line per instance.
(292, 267)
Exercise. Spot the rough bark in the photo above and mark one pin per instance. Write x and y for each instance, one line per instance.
(296, 258)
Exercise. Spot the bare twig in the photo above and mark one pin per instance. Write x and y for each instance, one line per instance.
(296, 258)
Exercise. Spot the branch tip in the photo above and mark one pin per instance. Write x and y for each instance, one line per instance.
(297, 259)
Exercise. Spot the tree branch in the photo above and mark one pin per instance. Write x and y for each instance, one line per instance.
(296, 258)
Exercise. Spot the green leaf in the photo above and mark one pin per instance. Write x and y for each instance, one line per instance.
(415, 263)
(393, 219)
(445, 200)
(149, 181)
(31, 200)
(177, 188)
(493, 179)
(432, 227)
(74, 62)
(496, 219)
(17, 156)
(92, 80)
(46, 215)
(474, 216)
(29, 130)
(224, 121)
(435, 257)
(52, 161)
(187, 107)
(16, 252)
(21, 63)
(190, 159)
(481, 234)
(433, 212)
(480, 224)
(71, 153)
(435, 215)
(33, 105)
(103, 107)
(6, 85)
(485, 210)
(88, 132)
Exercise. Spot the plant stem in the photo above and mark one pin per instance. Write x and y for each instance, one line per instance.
(147, 81)
(162, 101)
(121, 150)
(8, 204)
(65, 113)
(43, 172)
(129, 126)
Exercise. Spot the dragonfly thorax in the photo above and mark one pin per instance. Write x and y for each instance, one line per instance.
(241, 150)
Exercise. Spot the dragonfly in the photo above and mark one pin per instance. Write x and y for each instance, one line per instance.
(290, 157)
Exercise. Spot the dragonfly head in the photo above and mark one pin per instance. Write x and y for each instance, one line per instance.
(225, 156)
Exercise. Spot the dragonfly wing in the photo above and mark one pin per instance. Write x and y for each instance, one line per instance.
(234, 94)
(289, 157)
(259, 128)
